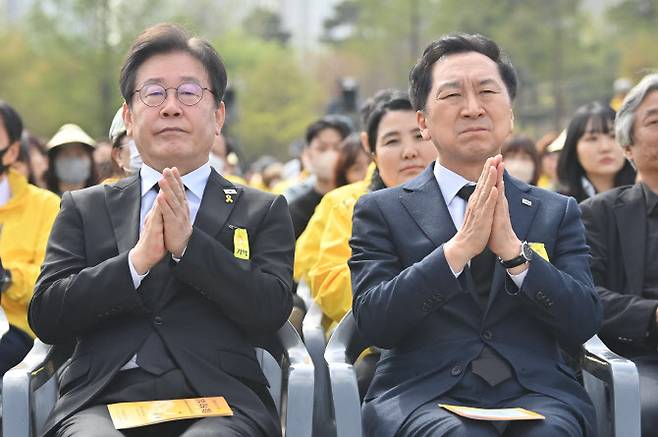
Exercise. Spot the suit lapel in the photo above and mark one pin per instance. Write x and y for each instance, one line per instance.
(219, 199)
(630, 212)
(522, 210)
(123, 200)
(422, 199)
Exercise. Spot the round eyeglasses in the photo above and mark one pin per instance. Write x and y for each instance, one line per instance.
(188, 93)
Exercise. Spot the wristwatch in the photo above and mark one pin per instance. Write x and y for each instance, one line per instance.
(524, 256)
(5, 280)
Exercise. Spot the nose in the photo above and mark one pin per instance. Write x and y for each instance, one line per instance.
(472, 105)
(608, 143)
(171, 107)
(410, 150)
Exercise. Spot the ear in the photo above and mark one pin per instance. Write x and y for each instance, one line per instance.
(422, 125)
(127, 116)
(220, 117)
(11, 155)
(628, 153)
(511, 122)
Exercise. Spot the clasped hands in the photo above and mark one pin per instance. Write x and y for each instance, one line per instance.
(486, 222)
(167, 226)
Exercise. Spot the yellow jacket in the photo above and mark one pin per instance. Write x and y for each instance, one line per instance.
(329, 277)
(308, 244)
(26, 220)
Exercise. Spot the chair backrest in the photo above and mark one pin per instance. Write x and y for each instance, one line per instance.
(610, 380)
(32, 386)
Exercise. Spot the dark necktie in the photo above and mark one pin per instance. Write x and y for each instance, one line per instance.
(488, 365)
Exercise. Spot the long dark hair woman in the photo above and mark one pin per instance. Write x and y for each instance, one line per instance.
(591, 161)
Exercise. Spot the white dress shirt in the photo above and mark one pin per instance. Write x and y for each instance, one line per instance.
(450, 183)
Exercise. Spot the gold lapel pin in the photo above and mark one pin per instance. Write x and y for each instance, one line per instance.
(229, 198)
(526, 202)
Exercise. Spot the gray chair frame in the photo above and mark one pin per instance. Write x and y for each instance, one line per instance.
(611, 381)
(315, 341)
(30, 388)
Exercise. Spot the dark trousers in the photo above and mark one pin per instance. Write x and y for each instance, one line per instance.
(429, 420)
(136, 384)
(647, 367)
(15, 344)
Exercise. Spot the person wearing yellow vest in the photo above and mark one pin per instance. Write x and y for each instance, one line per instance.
(26, 216)
(393, 139)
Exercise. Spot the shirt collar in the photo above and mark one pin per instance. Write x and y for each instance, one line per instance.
(195, 181)
(650, 197)
(449, 182)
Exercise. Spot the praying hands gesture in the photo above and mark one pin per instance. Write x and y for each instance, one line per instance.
(167, 226)
(486, 222)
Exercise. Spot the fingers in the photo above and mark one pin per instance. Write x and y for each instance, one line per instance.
(171, 185)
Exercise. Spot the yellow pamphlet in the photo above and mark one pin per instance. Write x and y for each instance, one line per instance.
(240, 243)
(134, 414)
(539, 250)
(493, 413)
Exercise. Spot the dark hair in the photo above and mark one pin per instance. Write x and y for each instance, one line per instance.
(167, 38)
(420, 77)
(349, 152)
(390, 100)
(12, 122)
(118, 140)
(525, 146)
(569, 169)
(50, 177)
(29, 142)
(339, 123)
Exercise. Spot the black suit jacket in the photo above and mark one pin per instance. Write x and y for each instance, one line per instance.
(616, 223)
(210, 306)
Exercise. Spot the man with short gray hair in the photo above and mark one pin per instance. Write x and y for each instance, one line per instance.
(622, 230)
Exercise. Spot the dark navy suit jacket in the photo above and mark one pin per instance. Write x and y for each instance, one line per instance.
(407, 300)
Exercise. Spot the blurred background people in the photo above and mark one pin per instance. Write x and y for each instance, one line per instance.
(32, 159)
(323, 138)
(521, 159)
(396, 146)
(549, 147)
(621, 87)
(352, 163)
(26, 216)
(103, 159)
(125, 157)
(224, 159)
(70, 160)
(622, 232)
(591, 161)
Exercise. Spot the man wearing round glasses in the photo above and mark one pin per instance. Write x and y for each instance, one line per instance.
(160, 279)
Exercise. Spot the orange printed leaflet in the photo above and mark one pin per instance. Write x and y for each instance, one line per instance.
(493, 413)
(134, 414)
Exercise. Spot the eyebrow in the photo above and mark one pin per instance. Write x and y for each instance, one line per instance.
(390, 134)
(160, 80)
(457, 84)
(651, 112)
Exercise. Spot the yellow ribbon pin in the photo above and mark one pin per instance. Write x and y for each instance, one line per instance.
(539, 250)
(240, 243)
(229, 198)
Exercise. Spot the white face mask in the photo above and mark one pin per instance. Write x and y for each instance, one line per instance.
(73, 170)
(135, 159)
(216, 162)
(520, 169)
